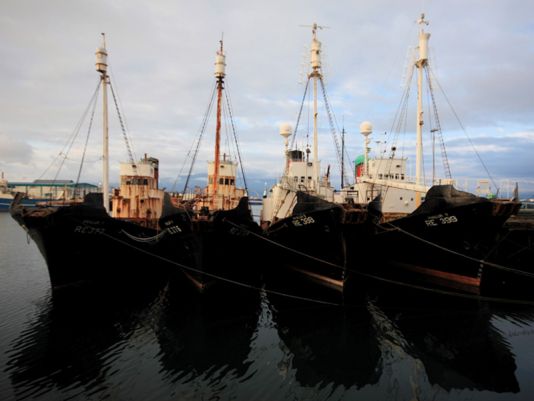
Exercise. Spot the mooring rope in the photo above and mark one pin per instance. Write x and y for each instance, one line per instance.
(155, 238)
(308, 299)
(221, 278)
(390, 281)
(480, 261)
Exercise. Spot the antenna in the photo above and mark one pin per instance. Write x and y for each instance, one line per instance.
(314, 27)
(422, 20)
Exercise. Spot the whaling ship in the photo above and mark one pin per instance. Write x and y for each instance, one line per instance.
(143, 232)
(417, 234)
(109, 239)
(220, 214)
(444, 238)
(304, 218)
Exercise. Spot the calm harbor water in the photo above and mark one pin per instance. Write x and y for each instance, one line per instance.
(154, 344)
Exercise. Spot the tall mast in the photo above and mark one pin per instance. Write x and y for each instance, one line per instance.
(316, 75)
(101, 67)
(342, 156)
(420, 64)
(219, 75)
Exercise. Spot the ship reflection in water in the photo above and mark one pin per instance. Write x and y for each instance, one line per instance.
(75, 341)
(382, 350)
(161, 342)
(206, 341)
(240, 344)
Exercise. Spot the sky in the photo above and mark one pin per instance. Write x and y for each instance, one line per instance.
(161, 57)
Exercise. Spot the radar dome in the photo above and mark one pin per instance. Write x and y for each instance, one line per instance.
(286, 130)
(366, 128)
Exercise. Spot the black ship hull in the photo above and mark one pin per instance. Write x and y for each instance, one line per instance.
(514, 250)
(308, 245)
(226, 247)
(82, 243)
(445, 241)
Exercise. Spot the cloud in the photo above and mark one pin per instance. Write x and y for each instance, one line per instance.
(14, 150)
(527, 136)
(162, 55)
(485, 148)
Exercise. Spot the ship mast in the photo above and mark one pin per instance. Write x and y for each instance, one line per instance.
(316, 75)
(101, 67)
(420, 64)
(219, 75)
(343, 156)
